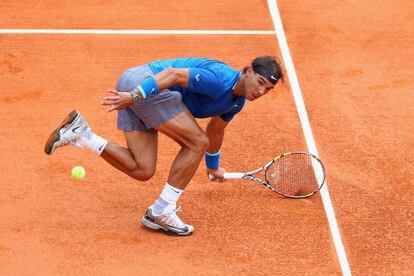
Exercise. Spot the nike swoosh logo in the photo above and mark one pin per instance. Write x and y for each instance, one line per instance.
(175, 191)
(273, 77)
(100, 148)
(178, 228)
(74, 130)
(149, 218)
(197, 77)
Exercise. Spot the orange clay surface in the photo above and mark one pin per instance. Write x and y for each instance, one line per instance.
(355, 78)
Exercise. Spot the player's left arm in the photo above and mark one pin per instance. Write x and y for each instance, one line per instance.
(215, 133)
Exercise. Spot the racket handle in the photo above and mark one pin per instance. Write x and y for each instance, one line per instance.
(233, 175)
(228, 176)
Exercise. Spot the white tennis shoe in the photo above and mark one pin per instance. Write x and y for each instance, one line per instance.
(68, 132)
(169, 222)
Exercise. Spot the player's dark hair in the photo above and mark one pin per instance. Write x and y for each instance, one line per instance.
(267, 66)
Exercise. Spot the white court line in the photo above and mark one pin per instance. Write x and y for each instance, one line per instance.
(138, 32)
(304, 120)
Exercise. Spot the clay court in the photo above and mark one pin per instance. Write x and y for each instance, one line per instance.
(354, 64)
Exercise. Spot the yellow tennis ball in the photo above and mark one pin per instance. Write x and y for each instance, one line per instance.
(78, 172)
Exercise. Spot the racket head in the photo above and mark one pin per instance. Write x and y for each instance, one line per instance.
(296, 174)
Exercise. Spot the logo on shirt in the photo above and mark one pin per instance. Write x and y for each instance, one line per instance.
(197, 77)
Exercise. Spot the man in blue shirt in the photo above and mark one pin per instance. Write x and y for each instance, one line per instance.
(166, 96)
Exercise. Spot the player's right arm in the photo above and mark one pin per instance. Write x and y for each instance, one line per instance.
(215, 133)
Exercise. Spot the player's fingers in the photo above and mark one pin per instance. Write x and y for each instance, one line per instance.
(113, 91)
(105, 102)
(111, 108)
(219, 179)
(213, 178)
(112, 98)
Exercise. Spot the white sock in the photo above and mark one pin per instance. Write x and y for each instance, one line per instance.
(167, 202)
(92, 141)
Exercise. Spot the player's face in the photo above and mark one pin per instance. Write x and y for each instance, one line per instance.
(256, 85)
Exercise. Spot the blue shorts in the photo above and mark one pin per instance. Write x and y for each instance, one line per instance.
(153, 110)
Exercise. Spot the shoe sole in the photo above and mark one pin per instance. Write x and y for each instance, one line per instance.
(155, 226)
(55, 136)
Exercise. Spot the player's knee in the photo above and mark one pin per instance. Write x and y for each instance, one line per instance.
(143, 174)
(146, 176)
(201, 144)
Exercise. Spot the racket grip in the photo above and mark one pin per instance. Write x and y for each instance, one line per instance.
(228, 176)
(233, 175)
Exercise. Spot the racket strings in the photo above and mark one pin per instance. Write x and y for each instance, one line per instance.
(293, 175)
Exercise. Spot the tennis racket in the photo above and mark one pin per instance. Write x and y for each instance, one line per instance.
(292, 174)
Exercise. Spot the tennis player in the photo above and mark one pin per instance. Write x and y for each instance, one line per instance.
(165, 96)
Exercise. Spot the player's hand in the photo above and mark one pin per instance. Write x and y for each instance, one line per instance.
(117, 100)
(216, 175)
